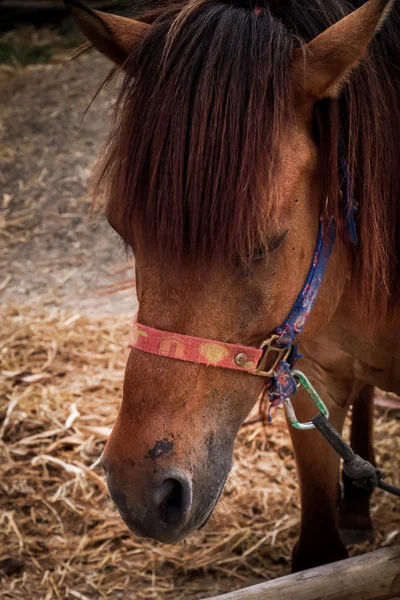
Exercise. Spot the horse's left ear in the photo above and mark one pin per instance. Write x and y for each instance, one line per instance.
(320, 70)
(114, 36)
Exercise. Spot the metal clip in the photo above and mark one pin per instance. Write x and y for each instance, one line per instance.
(280, 354)
(311, 391)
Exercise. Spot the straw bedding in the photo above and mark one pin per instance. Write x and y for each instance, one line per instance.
(60, 536)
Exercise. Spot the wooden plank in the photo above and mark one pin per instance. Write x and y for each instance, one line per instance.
(373, 576)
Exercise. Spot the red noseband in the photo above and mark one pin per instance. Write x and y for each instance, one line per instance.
(197, 350)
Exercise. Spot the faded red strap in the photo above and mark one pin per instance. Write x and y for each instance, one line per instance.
(193, 349)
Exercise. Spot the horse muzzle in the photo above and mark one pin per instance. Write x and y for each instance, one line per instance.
(163, 507)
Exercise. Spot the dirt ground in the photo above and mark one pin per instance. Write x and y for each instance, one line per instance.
(50, 245)
(62, 350)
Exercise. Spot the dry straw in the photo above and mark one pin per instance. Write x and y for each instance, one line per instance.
(60, 536)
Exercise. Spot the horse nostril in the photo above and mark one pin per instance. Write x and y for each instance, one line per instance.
(158, 508)
(174, 499)
(103, 464)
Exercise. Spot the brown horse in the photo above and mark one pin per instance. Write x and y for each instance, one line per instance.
(220, 163)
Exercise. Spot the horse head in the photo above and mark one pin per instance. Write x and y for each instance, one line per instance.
(215, 178)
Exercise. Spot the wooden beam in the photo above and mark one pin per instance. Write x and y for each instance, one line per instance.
(373, 576)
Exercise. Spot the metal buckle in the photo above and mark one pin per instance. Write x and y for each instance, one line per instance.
(280, 354)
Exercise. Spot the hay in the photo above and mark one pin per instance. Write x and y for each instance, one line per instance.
(60, 536)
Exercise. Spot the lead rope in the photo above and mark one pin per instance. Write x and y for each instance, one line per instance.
(362, 473)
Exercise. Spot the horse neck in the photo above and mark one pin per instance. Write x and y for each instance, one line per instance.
(346, 347)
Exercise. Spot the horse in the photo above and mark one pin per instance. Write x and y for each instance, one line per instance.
(251, 163)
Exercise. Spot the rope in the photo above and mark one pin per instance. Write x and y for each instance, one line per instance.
(392, 489)
(362, 473)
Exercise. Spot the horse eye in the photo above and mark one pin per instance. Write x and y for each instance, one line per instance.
(259, 253)
(275, 242)
(272, 244)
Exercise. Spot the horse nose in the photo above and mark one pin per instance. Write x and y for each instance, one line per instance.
(172, 499)
(157, 509)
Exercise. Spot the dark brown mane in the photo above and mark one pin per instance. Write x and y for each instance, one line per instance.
(200, 117)
(204, 105)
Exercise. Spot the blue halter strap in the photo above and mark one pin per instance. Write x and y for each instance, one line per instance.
(281, 383)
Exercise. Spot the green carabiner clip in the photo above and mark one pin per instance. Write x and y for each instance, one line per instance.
(312, 392)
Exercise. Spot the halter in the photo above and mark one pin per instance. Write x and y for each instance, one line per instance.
(276, 357)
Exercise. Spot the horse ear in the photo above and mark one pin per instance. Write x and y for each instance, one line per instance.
(114, 36)
(321, 68)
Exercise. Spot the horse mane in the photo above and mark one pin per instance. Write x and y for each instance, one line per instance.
(203, 107)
